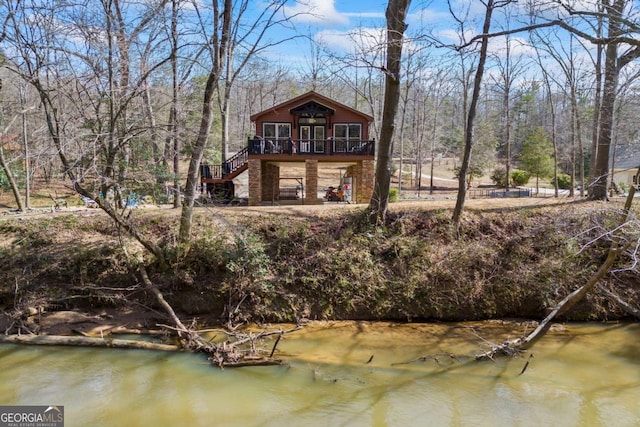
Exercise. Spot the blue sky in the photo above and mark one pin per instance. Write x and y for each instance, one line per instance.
(333, 22)
(345, 26)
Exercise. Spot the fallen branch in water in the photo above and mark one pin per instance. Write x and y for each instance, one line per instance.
(80, 341)
(526, 365)
(435, 357)
(223, 354)
(618, 246)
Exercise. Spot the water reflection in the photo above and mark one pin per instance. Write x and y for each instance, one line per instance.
(580, 375)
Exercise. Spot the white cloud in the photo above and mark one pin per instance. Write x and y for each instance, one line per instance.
(367, 15)
(427, 15)
(455, 37)
(360, 40)
(316, 12)
(517, 46)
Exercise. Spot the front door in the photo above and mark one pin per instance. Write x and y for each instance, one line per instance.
(312, 139)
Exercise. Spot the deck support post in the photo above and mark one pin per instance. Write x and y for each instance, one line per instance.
(311, 178)
(255, 182)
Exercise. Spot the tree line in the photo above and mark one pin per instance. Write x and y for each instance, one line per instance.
(117, 94)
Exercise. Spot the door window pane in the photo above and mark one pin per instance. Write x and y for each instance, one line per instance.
(319, 138)
(305, 136)
(354, 131)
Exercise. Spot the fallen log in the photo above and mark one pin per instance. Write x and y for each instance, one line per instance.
(617, 246)
(225, 354)
(79, 341)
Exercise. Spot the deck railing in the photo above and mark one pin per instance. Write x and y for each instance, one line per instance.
(327, 147)
(234, 163)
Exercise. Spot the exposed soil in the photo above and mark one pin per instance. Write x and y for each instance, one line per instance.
(70, 271)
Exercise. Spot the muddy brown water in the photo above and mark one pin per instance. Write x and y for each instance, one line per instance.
(347, 374)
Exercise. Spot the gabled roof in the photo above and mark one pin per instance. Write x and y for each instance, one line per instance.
(627, 156)
(307, 97)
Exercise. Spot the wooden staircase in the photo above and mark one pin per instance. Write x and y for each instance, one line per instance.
(234, 166)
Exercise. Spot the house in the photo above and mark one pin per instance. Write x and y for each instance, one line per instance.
(309, 131)
(625, 164)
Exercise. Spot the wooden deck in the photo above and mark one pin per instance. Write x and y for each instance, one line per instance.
(287, 150)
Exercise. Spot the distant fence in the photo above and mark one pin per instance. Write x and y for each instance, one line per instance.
(493, 193)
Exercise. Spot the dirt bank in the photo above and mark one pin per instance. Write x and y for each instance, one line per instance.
(510, 258)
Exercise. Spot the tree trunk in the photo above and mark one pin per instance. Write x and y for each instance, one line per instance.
(612, 67)
(595, 123)
(9, 175)
(220, 44)
(395, 14)
(601, 169)
(468, 134)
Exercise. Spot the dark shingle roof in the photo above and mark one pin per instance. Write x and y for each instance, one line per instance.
(627, 155)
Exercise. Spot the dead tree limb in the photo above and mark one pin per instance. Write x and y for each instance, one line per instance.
(618, 246)
(628, 308)
(85, 342)
(224, 354)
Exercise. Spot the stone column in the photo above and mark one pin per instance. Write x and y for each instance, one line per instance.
(255, 182)
(270, 182)
(365, 176)
(311, 182)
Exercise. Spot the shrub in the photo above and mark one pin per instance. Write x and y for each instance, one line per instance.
(393, 195)
(623, 187)
(564, 181)
(519, 177)
(499, 177)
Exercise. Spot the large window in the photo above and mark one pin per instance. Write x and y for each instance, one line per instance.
(276, 130)
(347, 137)
(278, 134)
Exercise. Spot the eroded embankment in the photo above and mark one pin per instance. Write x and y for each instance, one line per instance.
(290, 265)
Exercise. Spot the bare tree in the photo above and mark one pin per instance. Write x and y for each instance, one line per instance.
(97, 81)
(490, 6)
(4, 164)
(617, 26)
(396, 26)
(564, 55)
(229, 33)
(510, 67)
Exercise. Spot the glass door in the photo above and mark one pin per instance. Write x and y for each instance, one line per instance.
(312, 139)
(305, 139)
(318, 137)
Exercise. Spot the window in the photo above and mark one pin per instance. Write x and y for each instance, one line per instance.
(276, 130)
(278, 134)
(348, 137)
